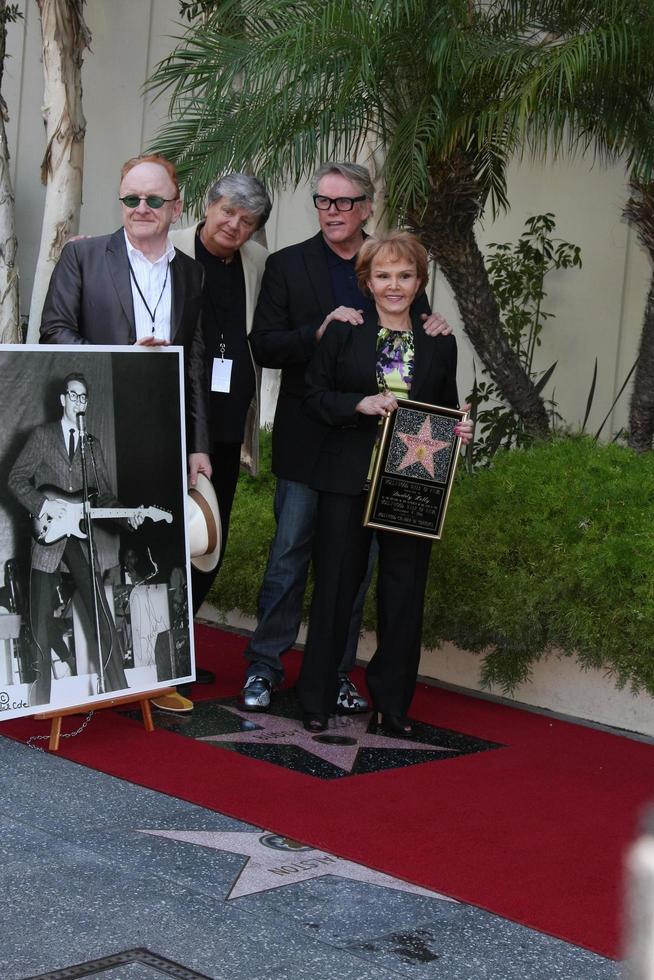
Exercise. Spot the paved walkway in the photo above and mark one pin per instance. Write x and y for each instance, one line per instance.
(96, 869)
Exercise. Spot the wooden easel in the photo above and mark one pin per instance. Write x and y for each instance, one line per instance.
(142, 698)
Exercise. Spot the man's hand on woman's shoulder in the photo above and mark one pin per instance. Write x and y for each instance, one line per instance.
(435, 325)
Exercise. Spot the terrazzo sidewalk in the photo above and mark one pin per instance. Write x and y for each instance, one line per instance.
(93, 870)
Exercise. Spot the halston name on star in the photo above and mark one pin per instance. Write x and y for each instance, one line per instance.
(291, 869)
(266, 867)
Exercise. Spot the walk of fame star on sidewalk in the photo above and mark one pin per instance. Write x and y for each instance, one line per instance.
(350, 746)
(275, 861)
(339, 745)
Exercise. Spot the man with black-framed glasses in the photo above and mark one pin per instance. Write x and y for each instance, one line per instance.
(51, 458)
(135, 287)
(304, 288)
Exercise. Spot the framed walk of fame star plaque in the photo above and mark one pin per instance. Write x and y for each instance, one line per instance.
(414, 470)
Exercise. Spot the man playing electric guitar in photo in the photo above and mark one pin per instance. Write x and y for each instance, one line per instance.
(52, 459)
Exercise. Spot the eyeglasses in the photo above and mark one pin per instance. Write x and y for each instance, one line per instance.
(341, 203)
(74, 397)
(152, 200)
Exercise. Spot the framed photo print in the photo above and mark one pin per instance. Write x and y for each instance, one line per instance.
(414, 470)
(94, 566)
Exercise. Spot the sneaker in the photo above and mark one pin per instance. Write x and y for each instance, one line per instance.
(173, 702)
(349, 701)
(255, 696)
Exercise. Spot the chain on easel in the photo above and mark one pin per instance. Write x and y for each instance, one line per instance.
(31, 741)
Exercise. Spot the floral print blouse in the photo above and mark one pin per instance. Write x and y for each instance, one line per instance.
(395, 362)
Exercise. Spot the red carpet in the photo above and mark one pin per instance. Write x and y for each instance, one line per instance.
(536, 832)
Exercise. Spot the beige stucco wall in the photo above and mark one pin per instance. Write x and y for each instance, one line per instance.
(598, 308)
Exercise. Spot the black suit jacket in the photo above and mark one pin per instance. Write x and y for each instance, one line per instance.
(89, 301)
(342, 372)
(296, 296)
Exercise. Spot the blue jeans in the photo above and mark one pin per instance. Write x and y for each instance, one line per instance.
(281, 595)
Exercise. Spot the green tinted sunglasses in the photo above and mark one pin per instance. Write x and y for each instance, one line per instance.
(152, 201)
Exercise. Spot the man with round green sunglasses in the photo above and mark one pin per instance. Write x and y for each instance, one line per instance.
(152, 200)
(135, 287)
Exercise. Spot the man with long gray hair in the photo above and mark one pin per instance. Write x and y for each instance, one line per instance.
(237, 206)
(305, 287)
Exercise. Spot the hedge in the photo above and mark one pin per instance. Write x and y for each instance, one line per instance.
(551, 547)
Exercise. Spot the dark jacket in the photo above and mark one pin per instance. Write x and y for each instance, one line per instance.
(89, 301)
(342, 372)
(296, 296)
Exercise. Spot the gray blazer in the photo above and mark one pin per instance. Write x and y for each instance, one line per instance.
(89, 301)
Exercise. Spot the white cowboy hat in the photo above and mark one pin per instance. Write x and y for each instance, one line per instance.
(203, 524)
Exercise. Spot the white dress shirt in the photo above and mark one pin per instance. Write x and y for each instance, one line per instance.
(67, 426)
(153, 279)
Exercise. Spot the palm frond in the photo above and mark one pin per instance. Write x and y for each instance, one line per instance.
(277, 85)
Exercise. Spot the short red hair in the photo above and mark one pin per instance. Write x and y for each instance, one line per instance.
(151, 158)
(393, 245)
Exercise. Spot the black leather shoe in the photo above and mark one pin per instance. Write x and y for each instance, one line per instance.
(256, 694)
(314, 723)
(398, 726)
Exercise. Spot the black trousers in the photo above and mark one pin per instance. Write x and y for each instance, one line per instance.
(225, 463)
(43, 586)
(341, 551)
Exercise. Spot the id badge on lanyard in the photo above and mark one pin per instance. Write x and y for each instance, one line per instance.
(221, 373)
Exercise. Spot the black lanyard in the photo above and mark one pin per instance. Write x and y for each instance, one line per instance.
(222, 347)
(151, 314)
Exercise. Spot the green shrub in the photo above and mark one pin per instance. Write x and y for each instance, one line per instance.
(251, 528)
(552, 546)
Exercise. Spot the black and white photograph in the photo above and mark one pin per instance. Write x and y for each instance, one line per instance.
(94, 574)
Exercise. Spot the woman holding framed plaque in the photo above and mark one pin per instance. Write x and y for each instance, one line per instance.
(355, 377)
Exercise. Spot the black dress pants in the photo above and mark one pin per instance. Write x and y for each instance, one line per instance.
(225, 463)
(341, 552)
(43, 586)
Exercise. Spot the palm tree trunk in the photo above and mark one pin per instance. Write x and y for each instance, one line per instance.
(9, 326)
(463, 267)
(641, 409)
(65, 37)
(639, 211)
(446, 229)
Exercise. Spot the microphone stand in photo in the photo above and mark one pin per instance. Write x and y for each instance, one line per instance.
(101, 607)
(86, 509)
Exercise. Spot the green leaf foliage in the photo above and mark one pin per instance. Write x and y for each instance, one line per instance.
(9, 13)
(517, 273)
(251, 530)
(551, 547)
(278, 85)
